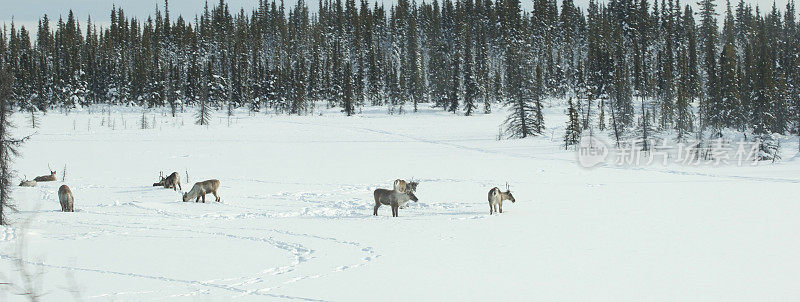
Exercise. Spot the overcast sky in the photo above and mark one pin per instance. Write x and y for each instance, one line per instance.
(28, 12)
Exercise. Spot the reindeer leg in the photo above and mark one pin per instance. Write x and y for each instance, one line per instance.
(490, 208)
(215, 195)
(501, 206)
(204, 198)
(377, 205)
(197, 200)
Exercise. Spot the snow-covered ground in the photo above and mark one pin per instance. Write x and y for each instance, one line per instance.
(296, 219)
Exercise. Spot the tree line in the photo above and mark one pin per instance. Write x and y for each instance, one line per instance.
(626, 65)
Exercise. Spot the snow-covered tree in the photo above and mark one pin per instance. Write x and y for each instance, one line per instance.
(573, 132)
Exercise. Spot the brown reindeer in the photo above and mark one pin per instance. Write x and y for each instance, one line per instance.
(66, 199)
(200, 189)
(173, 181)
(393, 198)
(496, 198)
(51, 177)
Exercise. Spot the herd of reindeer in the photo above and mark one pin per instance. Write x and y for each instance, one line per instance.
(397, 198)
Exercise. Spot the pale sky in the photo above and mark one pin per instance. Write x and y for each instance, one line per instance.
(28, 12)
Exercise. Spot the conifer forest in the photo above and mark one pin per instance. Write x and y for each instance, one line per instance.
(620, 61)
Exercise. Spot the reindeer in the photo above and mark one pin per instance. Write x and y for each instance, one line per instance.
(393, 198)
(160, 183)
(200, 189)
(66, 199)
(402, 185)
(496, 198)
(173, 181)
(27, 183)
(51, 177)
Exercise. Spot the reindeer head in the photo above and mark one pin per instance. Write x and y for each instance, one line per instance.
(412, 186)
(185, 197)
(412, 196)
(508, 194)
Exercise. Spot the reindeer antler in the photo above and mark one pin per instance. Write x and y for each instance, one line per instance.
(48, 168)
(508, 188)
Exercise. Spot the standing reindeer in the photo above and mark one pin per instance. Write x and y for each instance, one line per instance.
(393, 198)
(173, 181)
(496, 198)
(200, 189)
(51, 177)
(66, 199)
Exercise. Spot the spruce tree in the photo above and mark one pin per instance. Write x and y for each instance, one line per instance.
(728, 109)
(683, 110)
(708, 36)
(526, 117)
(347, 100)
(470, 82)
(455, 86)
(8, 144)
(573, 126)
(204, 107)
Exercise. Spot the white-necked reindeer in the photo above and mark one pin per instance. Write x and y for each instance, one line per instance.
(496, 198)
(202, 188)
(393, 198)
(51, 177)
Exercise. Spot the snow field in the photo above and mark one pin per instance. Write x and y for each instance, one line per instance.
(296, 220)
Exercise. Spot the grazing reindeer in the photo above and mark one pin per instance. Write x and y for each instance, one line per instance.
(393, 198)
(173, 181)
(51, 177)
(66, 199)
(403, 186)
(496, 198)
(200, 189)
(27, 183)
